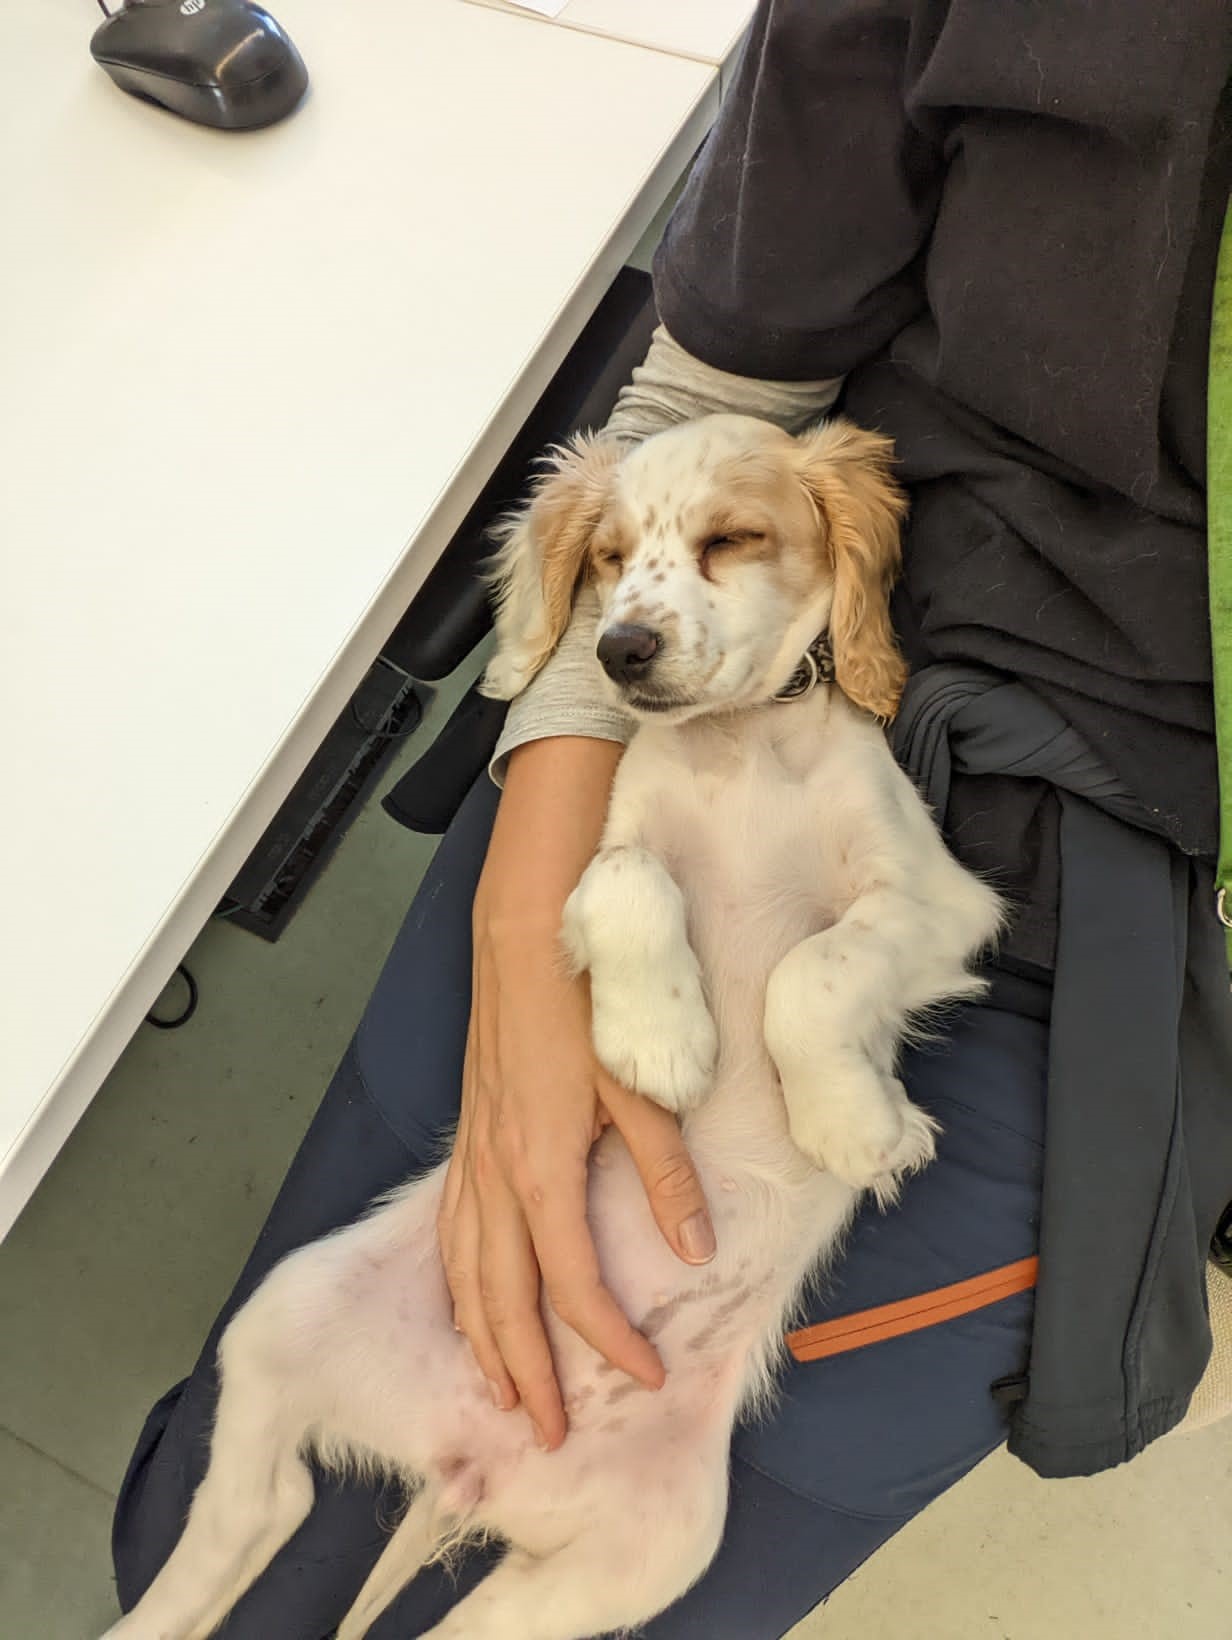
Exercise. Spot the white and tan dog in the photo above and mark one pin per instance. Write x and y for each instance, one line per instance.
(770, 909)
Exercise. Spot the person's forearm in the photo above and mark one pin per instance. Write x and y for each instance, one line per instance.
(547, 829)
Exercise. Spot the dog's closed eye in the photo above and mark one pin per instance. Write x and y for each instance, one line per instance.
(723, 542)
(732, 538)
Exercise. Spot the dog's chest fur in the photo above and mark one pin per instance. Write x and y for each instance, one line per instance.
(766, 820)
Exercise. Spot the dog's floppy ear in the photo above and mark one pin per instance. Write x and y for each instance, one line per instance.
(541, 559)
(847, 472)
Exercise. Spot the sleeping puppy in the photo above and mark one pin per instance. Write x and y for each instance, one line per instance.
(770, 909)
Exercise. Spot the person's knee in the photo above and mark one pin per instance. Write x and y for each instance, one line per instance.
(880, 1432)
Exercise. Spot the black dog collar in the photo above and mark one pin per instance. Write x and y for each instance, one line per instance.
(816, 666)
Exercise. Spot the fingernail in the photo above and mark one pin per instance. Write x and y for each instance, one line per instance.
(498, 1399)
(541, 1440)
(697, 1238)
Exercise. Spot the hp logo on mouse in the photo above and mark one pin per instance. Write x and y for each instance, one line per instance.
(190, 6)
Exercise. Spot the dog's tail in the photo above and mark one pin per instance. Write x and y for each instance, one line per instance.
(430, 1532)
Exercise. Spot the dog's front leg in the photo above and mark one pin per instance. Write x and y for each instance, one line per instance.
(625, 924)
(835, 1015)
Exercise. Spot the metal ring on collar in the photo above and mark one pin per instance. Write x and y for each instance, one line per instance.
(806, 677)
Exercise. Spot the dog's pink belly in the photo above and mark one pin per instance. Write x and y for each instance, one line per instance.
(394, 1377)
(425, 1405)
(369, 1315)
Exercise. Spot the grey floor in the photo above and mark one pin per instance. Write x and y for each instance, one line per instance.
(114, 1272)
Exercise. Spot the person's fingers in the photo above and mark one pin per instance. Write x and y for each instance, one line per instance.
(510, 1295)
(571, 1278)
(668, 1175)
(460, 1248)
(518, 1203)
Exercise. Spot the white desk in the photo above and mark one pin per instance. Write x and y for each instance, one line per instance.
(250, 386)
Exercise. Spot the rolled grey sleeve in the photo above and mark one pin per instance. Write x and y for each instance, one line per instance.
(671, 386)
(569, 696)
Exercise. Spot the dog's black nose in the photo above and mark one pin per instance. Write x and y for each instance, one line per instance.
(625, 652)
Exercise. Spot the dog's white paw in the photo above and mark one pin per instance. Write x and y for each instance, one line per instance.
(660, 1042)
(505, 676)
(861, 1126)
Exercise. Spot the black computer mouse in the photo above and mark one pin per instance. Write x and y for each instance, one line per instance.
(219, 62)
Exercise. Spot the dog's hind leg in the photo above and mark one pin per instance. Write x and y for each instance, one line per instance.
(412, 1542)
(618, 1574)
(257, 1491)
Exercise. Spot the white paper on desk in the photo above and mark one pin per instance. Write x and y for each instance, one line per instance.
(708, 30)
(545, 8)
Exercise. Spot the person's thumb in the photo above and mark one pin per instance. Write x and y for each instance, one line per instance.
(667, 1172)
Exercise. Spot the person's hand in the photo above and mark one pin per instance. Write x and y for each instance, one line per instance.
(513, 1217)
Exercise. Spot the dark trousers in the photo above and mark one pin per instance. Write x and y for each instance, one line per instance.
(859, 1442)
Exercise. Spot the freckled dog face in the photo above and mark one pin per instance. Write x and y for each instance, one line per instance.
(720, 549)
(710, 565)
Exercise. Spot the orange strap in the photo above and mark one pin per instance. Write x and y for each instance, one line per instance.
(852, 1332)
